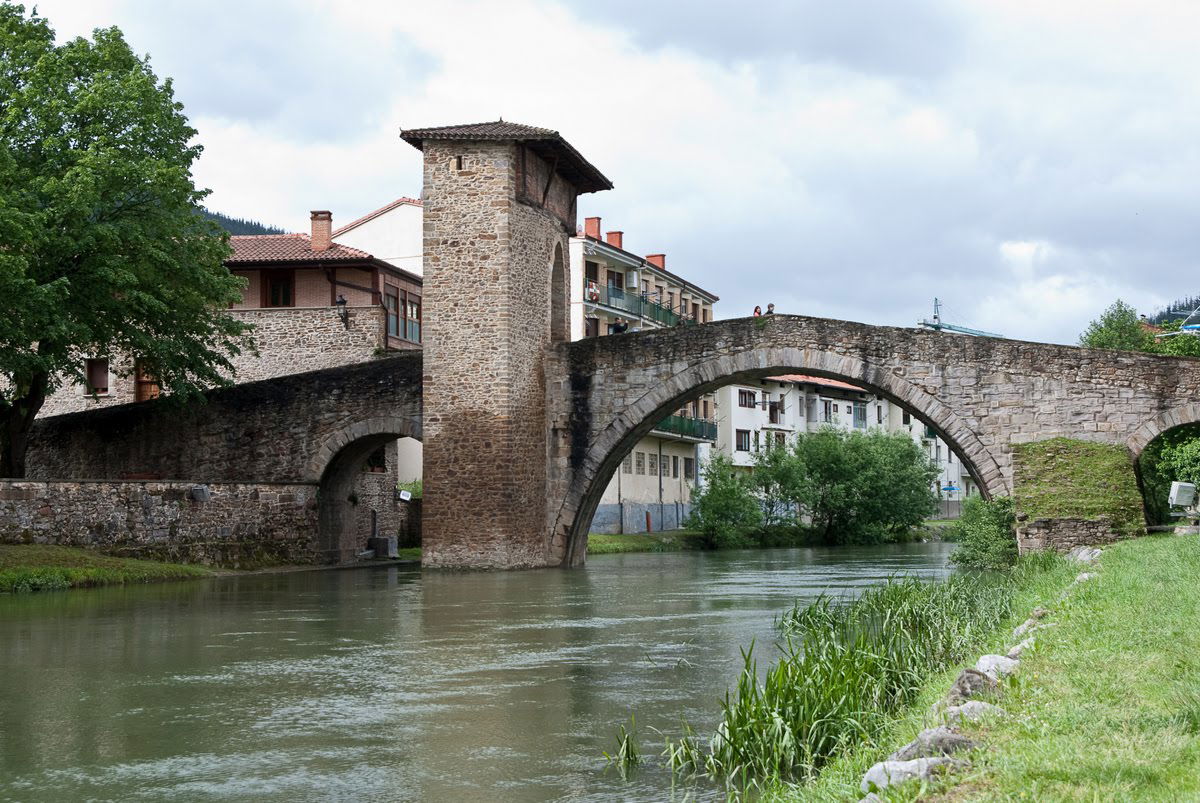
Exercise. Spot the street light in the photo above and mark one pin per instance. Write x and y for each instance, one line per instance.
(343, 313)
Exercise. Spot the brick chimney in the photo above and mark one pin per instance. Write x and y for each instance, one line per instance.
(615, 238)
(322, 230)
(657, 260)
(591, 227)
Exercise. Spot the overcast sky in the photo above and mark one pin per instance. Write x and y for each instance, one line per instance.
(1027, 162)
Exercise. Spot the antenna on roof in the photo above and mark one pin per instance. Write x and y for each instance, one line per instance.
(1190, 326)
(936, 324)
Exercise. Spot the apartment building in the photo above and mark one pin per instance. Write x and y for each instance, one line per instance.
(756, 414)
(613, 291)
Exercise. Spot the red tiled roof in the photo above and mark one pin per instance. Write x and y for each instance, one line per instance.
(543, 141)
(255, 248)
(377, 213)
(816, 380)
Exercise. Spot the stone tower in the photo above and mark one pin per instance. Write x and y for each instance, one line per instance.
(499, 207)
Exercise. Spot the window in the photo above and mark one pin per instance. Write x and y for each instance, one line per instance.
(879, 414)
(689, 468)
(907, 419)
(938, 447)
(780, 439)
(695, 311)
(659, 293)
(835, 408)
(664, 466)
(671, 299)
(591, 272)
(412, 317)
(860, 415)
(458, 163)
(591, 327)
(747, 398)
(775, 412)
(675, 466)
(757, 444)
(627, 464)
(827, 411)
(145, 385)
(639, 463)
(391, 301)
(742, 443)
(278, 288)
(652, 464)
(616, 279)
(97, 376)
(377, 461)
(707, 314)
(705, 407)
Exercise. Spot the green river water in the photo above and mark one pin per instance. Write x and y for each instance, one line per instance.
(393, 684)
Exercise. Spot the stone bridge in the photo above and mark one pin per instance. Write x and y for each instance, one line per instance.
(316, 427)
(522, 430)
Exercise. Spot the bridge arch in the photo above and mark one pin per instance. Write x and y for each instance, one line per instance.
(336, 466)
(592, 474)
(1163, 422)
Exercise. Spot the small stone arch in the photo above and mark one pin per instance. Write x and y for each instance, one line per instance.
(336, 466)
(611, 443)
(1164, 421)
(560, 298)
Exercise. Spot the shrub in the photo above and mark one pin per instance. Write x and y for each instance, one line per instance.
(984, 534)
(725, 510)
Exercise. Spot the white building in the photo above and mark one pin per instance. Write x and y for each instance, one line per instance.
(393, 233)
(612, 291)
(752, 415)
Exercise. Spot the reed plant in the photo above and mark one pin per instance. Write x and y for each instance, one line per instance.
(846, 669)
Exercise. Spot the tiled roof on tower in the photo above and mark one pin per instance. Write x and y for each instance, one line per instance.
(546, 143)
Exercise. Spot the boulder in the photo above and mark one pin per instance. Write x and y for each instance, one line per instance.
(970, 683)
(886, 773)
(997, 666)
(1083, 554)
(973, 711)
(1025, 627)
(939, 741)
(1016, 651)
(1085, 576)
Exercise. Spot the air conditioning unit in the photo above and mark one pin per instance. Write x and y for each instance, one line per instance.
(1183, 494)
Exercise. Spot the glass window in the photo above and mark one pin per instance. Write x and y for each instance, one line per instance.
(689, 468)
(674, 465)
(747, 398)
(412, 317)
(97, 376)
(742, 440)
(827, 411)
(627, 464)
(757, 444)
(860, 415)
(278, 288)
(639, 462)
(652, 464)
(391, 301)
(907, 419)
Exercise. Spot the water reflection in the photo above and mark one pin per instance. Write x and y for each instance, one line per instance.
(390, 684)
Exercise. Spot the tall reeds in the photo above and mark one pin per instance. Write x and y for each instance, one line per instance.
(845, 670)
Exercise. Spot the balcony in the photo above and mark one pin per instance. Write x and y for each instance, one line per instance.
(634, 304)
(698, 428)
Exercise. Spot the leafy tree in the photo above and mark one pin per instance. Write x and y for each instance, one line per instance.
(985, 534)
(863, 487)
(1119, 327)
(104, 253)
(773, 481)
(726, 509)
(1178, 346)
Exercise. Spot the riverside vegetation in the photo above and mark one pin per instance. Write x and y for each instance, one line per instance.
(39, 567)
(825, 487)
(849, 671)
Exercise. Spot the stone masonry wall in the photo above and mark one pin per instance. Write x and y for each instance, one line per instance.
(285, 429)
(487, 289)
(1063, 535)
(226, 524)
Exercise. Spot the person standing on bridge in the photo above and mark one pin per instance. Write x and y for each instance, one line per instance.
(770, 309)
(757, 310)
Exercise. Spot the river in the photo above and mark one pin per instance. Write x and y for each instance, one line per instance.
(393, 684)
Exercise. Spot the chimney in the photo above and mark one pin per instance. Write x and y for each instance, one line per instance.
(322, 230)
(591, 227)
(616, 238)
(657, 260)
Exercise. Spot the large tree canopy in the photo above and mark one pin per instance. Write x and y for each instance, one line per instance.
(102, 252)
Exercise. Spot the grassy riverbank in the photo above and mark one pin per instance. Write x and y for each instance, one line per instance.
(38, 567)
(666, 541)
(1106, 707)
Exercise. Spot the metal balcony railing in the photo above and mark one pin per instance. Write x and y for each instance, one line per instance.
(636, 304)
(689, 427)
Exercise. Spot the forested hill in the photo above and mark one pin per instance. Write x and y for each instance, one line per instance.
(237, 225)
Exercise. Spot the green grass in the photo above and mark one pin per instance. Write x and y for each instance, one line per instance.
(668, 541)
(848, 671)
(37, 567)
(839, 779)
(409, 553)
(1064, 478)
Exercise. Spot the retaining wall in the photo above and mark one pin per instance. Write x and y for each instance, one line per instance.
(1063, 535)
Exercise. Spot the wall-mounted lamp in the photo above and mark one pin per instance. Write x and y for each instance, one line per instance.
(343, 313)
